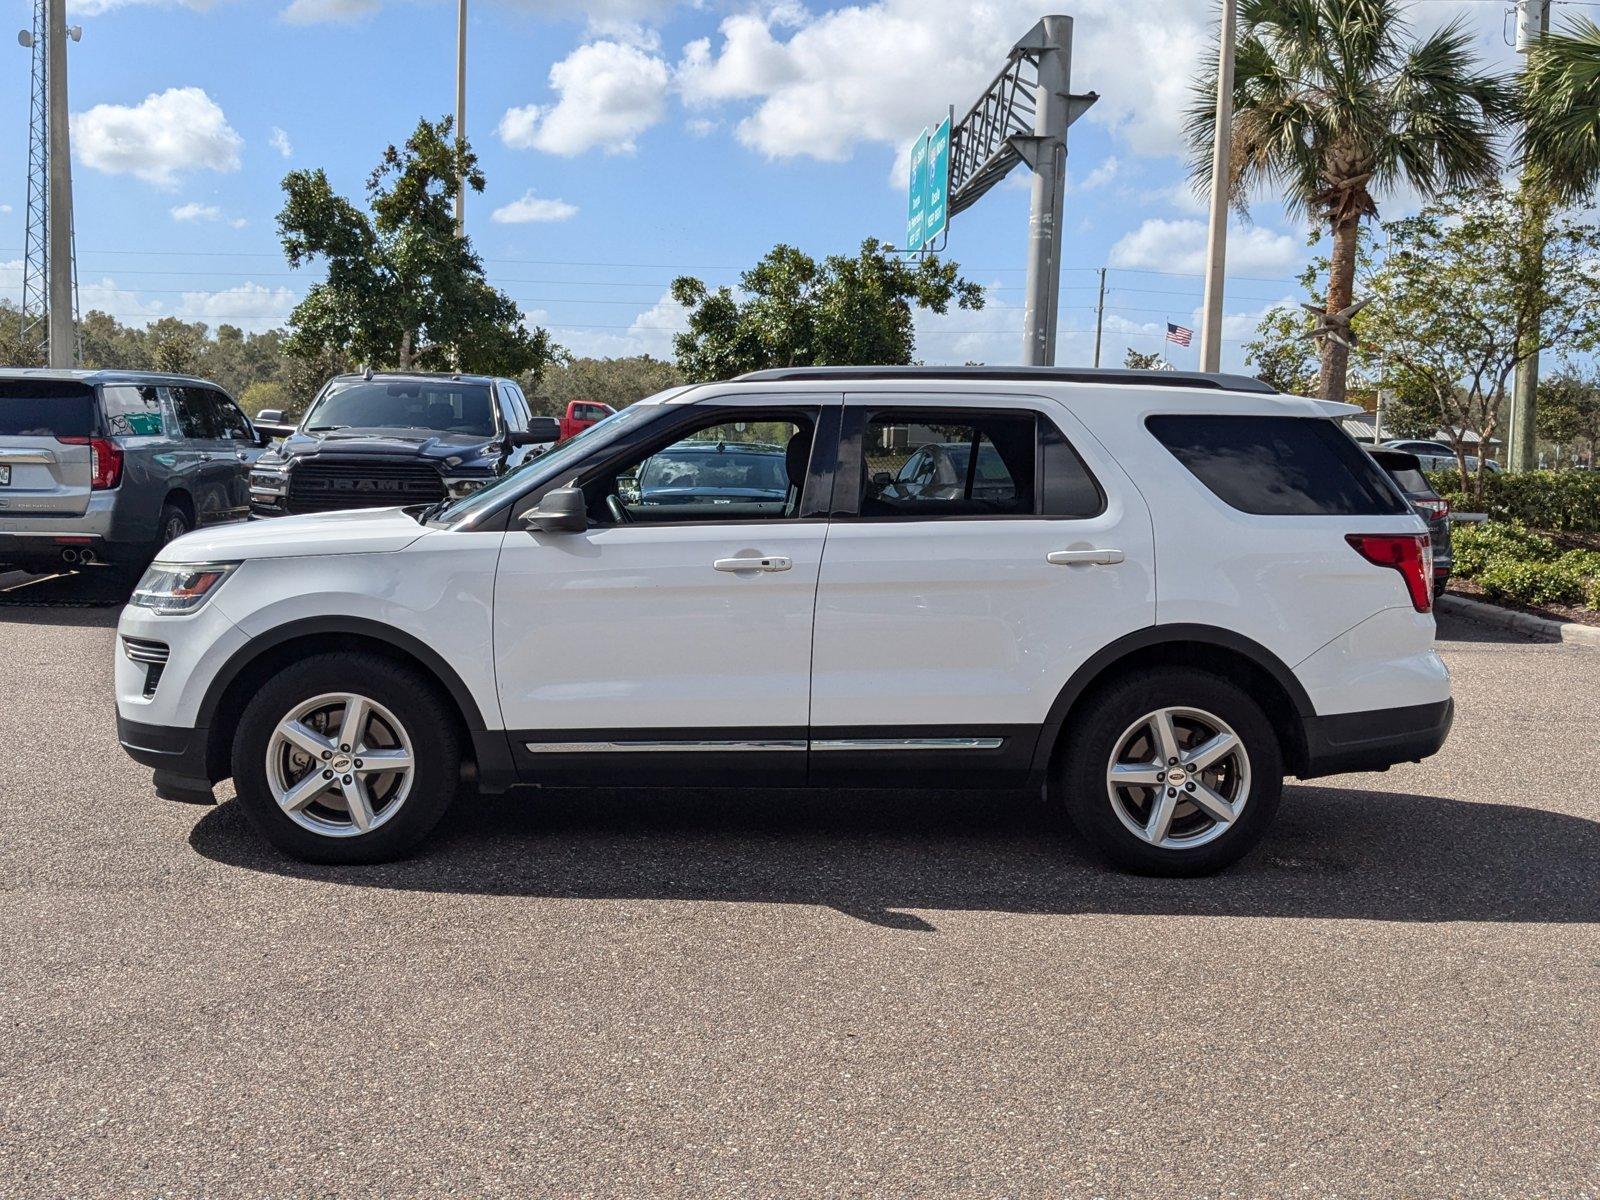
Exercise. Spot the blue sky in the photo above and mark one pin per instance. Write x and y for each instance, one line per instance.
(628, 141)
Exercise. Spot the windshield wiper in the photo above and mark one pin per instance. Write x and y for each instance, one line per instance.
(324, 428)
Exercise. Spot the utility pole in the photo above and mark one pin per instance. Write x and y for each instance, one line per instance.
(1533, 22)
(1099, 316)
(1048, 158)
(1217, 237)
(461, 110)
(63, 328)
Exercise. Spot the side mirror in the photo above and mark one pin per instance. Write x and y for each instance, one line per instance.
(541, 431)
(882, 479)
(270, 416)
(562, 511)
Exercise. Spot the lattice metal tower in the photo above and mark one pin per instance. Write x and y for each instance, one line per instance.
(36, 234)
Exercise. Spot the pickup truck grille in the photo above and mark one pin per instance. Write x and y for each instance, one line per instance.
(324, 485)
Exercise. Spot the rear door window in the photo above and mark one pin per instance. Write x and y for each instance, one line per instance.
(197, 415)
(132, 410)
(1279, 466)
(52, 408)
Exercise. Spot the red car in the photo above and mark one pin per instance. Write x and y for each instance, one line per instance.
(581, 414)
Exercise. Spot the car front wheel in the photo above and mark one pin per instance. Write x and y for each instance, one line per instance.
(346, 758)
(1174, 772)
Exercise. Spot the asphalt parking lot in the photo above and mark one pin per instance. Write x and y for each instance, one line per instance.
(630, 993)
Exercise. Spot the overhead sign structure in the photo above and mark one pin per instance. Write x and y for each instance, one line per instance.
(917, 195)
(928, 188)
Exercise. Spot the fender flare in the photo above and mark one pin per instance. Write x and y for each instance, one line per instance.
(430, 659)
(1157, 635)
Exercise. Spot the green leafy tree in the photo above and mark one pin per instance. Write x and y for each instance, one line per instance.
(402, 287)
(1282, 351)
(614, 381)
(1460, 302)
(1136, 360)
(791, 310)
(1560, 110)
(1334, 106)
(1569, 411)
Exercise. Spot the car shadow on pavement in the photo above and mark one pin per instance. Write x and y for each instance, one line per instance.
(895, 859)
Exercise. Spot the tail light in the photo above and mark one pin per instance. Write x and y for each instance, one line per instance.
(105, 461)
(1435, 508)
(1409, 553)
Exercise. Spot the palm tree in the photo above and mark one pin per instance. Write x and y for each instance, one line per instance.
(1560, 91)
(1333, 104)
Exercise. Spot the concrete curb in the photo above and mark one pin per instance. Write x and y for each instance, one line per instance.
(1543, 628)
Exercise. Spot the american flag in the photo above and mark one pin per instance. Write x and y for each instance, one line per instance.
(1177, 333)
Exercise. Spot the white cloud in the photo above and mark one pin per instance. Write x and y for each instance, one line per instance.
(650, 332)
(318, 12)
(279, 141)
(1103, 173)
(1180, 246)
(95, 8)
(180, 129)
(609, 94)
(820, 85)
(533, 208)
(5, 210)
(194, 211)
(251, 306)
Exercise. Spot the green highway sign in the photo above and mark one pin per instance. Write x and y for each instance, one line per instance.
(917, 195)
(935, 213)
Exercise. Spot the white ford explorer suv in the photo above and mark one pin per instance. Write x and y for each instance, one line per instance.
(1155, 595)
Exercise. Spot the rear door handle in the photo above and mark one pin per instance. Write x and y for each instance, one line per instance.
(773, 562)
(1099, 558)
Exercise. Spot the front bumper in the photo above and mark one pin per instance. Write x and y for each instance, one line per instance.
(1374, 740)
(177, 756)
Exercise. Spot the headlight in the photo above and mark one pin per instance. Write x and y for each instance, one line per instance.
(459, 488)
(174, 589)
(268, 481)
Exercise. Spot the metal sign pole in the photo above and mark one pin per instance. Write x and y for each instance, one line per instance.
(1049, 163)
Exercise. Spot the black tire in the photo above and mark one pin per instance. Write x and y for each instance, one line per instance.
(172, 524)
(429, 722)
(1105, 716)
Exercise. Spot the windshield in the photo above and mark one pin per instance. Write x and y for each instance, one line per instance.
(436, 405)
(549, 464)
(46, 408)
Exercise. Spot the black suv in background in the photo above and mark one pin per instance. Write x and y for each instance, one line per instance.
(1406, 471)
(381, 440)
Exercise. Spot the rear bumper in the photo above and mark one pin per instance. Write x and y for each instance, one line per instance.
(176, 755)
(1376, 740)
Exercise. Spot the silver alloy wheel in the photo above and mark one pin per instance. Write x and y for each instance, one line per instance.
(1178, 778)
(340, 765)
(175, 529)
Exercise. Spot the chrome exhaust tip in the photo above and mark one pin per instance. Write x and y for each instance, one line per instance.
(69, 555)
(86, 556)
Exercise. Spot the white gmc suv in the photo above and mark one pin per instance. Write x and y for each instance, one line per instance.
(1155, 595)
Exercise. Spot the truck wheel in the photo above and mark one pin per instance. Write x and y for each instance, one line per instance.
(346, 758)
(1172, 772)
(172, 524)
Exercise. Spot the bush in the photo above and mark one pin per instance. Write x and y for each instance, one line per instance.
(1566, 501)
(1511, 563)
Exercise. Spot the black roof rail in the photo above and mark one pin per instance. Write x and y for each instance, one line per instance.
(1218, 382)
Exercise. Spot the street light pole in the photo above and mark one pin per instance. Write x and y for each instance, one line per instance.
(63, 334)
(1533, 22)
(461, 110)
(1217, 238)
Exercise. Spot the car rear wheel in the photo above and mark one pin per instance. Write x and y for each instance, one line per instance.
(172, 524)
(1173, 772)
(346, 758)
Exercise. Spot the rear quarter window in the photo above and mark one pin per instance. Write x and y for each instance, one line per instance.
(1279, 466)
(55, 408)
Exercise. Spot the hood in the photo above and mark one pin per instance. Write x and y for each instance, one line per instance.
(424, 444)
(360, 531)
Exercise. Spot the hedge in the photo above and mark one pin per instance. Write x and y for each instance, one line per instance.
(1564, 501)
(1509, 562)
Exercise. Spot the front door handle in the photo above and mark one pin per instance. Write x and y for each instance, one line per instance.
(1094, 557)
(773, 562)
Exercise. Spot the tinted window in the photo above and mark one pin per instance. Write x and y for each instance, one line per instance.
(132, 411)
(439, 405)
(197, 415)
(45, 408)
(230, 421)
(1278, 466)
